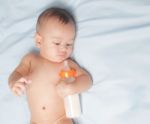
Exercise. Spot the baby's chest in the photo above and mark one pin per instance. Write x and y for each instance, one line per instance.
(45, 75)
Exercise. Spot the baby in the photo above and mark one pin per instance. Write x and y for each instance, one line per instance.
(38, 73)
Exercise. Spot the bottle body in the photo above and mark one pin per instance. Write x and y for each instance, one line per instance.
(72, 106)
(72, 103)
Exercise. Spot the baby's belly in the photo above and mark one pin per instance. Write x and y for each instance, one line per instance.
(44, 103)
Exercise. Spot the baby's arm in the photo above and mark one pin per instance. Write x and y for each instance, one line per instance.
(17, 80)
(82, 82)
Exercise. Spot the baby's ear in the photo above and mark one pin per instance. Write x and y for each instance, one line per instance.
(38, 40)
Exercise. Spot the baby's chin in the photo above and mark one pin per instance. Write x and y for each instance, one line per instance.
(57, 60)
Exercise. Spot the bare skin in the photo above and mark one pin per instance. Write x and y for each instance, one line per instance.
(38, 74)
(44, 101)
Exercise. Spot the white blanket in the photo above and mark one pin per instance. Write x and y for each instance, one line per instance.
(113, 44)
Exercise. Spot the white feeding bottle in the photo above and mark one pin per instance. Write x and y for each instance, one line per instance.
(71, 102)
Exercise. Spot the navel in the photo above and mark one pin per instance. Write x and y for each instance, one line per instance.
(43, 107)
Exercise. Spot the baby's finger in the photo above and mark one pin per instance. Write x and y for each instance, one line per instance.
(17, 92)
(24, 80)
(28, 82)
(21, 86)
(61, 91)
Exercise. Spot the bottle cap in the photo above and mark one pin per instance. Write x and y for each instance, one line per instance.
(68, 73)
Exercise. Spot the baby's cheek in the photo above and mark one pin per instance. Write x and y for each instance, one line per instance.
(69, 52)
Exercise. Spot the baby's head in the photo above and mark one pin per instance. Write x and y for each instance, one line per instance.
(55, 34)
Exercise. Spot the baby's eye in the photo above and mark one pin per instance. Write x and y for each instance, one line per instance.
(68, 44)
(57, 43)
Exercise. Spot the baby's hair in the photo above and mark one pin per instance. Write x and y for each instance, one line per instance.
(63, 15)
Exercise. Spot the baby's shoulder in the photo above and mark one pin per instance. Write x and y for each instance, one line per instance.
(30, 57)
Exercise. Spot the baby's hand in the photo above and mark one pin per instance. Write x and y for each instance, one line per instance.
(19, 86)
(64, 88)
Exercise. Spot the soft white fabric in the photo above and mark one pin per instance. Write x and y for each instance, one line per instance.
(113, 44)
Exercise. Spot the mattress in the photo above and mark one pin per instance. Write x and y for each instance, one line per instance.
(112, 43)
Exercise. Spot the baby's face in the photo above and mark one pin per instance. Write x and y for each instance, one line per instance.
(57, 40)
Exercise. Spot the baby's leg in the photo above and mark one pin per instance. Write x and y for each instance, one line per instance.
(64, 121)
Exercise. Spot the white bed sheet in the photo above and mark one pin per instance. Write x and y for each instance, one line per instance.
(113, 44)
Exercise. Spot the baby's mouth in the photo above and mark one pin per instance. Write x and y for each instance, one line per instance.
(62, 54)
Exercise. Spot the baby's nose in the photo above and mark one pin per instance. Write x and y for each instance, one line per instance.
(63, 47)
